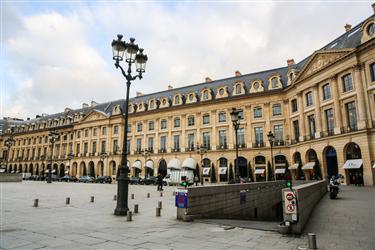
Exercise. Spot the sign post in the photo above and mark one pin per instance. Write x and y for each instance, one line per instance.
(290, 203)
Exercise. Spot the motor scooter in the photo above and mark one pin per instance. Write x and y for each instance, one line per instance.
(334, 184)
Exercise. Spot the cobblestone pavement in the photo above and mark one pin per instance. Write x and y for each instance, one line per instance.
(86, 225)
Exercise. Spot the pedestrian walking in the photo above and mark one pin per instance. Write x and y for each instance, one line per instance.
(196, 180)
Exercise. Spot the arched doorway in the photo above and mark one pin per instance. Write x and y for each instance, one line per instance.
(260, 168)
(112, 168)
(101, 168)
(353, 165)
(223, 169)
(149, 168)
(206, 169)
(91, 169)
(62, 170)
(281, 165)
(312, 167)
(296, 169)
(42, 172)
(31, 169)
(242, 167)
(331, 161)
(73, 170)
(55, 169)
(82, 169)
(137, 168)
(162, 169)
(37, 171)
(10, 168)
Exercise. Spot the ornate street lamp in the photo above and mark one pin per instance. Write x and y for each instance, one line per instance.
(103, 156)
(146, 154)
(201, 150)
(133, 54)
(236, 125)
(8, 143)
(53, 136)
(271, 139)
(70, 157)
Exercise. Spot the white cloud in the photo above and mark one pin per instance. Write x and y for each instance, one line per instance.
(62, 58)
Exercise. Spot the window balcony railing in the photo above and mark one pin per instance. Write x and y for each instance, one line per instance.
(223, 146)
(189, 149)
(150, 150)
(328, 133)
(309, 137)
(207, 147)
(278, 143)
(162, 150)
(176, 150)
(258, 145)
(138, 151)
(349, 129)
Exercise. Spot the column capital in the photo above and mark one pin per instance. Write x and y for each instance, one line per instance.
(333, 78)
(359, 66)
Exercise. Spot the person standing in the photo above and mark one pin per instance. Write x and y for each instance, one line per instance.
(160, 182)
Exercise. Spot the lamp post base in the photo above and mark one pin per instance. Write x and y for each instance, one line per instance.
(122, 193)
(121, 211)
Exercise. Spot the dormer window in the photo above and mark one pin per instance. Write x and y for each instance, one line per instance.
(177, 100)
(191, 97)
(152, 104)
(371, 29)
(275, 83)
(238, 89)
(205, 95)
(221, 91)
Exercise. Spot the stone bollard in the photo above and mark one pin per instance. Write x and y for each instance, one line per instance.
(67, 200)
(135, 208)
(132, 196)
(36, 201)
(158, 209)
(312, 240)
(160, 204)
(161, 194)
(115, 197)
(129, 216)
(92, 199)
(148, 195)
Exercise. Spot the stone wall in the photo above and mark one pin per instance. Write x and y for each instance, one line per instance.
(7, 177)
(261, 201)
(308, 195)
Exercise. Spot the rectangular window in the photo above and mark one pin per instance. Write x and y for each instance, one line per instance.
(296, 130)
(309, 99)
(241, 115)
(327, 92)
(85, 148)
(104, 131)
(351, 114)
(103, 147)
(241, 137)
(127, 146)
(78, 148)
(151, 144)
(163, 124)
(115, 129)
(257, 112)
(191, 121)
(347, 82)
(79, 134)
(222, 117)
(163, 140)
(139, 127)
(115, 146)
(151, 126)
(206, 119)
(276, 109)
(222, 138)
(176, 122)
(311, 122)
(279, 133)
(258, 135)
(372, 72)
(139, 144)
(176, 142)
(94, 147)
(294, 105)
(206, 140)
(129, 128)
(190, 141)
(86, 133)
(330, 120)
(95, 131)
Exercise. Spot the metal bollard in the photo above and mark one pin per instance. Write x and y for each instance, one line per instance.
(67, 200)
(161, 194)
(312, 240)
(135, 208)
(158, 209)
(36, 201)
(148, 195)
(132, 196)
(92, 199)
(160, 204)
(129, 216)
(115, 197)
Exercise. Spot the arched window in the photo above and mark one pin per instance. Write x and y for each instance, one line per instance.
(205, 95)
(238, 89)
(177, 99)
(275, 83)
(152, 104)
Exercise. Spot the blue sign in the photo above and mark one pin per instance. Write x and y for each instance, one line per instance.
(181, 200)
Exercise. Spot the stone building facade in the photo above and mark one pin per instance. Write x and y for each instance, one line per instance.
(321, 111)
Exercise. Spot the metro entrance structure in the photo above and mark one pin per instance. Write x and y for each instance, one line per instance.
(320, 111)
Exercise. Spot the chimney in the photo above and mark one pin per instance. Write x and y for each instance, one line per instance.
(85, 105)
(237, 73)
(170, 87)
(93, 103)
(208, 79)
(290, 62)
(138, 93)
(373, 7)
(67, 110)
(347, 27)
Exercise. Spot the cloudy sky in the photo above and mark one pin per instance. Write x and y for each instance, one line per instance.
(57, 54)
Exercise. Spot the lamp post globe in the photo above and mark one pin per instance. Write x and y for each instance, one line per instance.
(236, 125)
(133, 55)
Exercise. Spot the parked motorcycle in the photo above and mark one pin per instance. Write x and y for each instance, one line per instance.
(334, 184)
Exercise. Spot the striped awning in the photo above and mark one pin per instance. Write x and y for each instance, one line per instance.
(189, 163)
(174, 164)
(149, 164)
(137, 164)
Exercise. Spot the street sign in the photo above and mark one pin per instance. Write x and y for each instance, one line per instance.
(181, 200)
(290, 203)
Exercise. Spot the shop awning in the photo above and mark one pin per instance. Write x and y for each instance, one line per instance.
(280, 171)
(174, 164)
(353, 164)
(150, 164)
(189, 163)
(293, 167)
(223, 170)
(137, 164)
(308, 166)
(373, 166)
(53, 171)
(260, 171)
(206, 171)
(67, 172)
(47, 171)
(13, 172)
